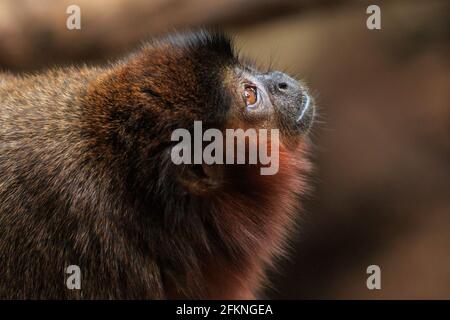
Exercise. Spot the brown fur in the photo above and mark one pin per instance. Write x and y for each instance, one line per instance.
(86, 179)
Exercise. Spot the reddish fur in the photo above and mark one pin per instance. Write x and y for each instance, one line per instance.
(257, 223)
(267, 219)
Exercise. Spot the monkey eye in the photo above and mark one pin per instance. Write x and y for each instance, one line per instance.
(250, 95)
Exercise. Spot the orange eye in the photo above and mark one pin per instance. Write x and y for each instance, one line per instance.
(250, 95)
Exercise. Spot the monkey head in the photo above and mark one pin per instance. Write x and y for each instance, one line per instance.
(195, 76)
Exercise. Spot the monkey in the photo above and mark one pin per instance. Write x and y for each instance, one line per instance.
(86, 176)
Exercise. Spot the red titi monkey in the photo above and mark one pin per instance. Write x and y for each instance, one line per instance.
(86, 176)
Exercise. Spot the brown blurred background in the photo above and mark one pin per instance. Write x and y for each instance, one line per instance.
(382, 145)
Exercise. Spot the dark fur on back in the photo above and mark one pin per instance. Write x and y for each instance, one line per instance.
(86, 179)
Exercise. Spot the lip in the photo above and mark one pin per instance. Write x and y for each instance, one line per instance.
(306, 105)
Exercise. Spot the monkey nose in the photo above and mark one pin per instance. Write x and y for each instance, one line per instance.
(298, 102)
(292, 101)
(282, 83)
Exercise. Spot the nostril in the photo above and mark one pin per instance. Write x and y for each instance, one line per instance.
(282, 85)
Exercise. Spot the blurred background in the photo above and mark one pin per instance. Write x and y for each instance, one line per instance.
(382, 145)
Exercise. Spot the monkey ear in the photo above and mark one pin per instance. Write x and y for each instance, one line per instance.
(201, 179)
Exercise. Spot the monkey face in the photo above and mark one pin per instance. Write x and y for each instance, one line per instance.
(272, 100)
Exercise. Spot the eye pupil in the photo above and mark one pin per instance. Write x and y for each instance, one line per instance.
(250, 95)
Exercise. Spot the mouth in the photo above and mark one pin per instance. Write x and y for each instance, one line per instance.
(306, 102)
(306, 115)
